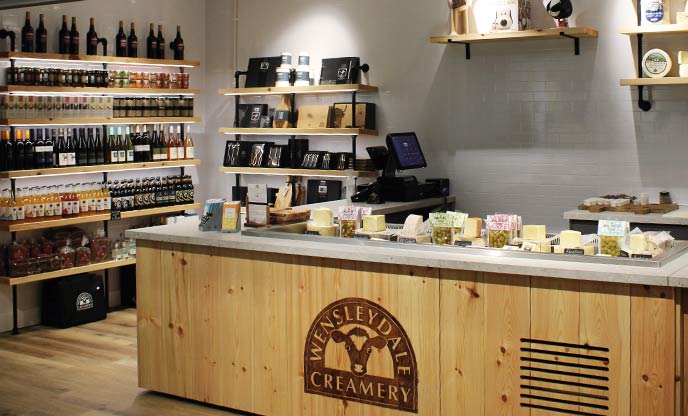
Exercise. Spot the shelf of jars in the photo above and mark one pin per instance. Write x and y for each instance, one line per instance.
(113, 264)
(41, 224)
(30, 173)
(95, 59)
(86, 121)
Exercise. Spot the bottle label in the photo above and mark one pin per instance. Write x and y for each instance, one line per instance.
(173, 153)
(138, 148)
(58, 208)
(40, 210)
(20, 213)
(75, 207)
(83, 205)
(11, 214)
(107, 203)
(66, 208)
(130, 156)
(190, 153)
(49, 209)
(122, 156)
(114, 156)
(72, 159)
(180, 153)
(145, 148)
(92, 205)
(63, 159)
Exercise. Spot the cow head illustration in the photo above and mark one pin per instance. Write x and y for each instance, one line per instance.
(359, 346)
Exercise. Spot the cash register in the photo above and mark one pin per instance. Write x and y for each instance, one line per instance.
(403, 152)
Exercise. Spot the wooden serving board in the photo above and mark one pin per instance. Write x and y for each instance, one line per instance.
(635, 209)
(289, 216)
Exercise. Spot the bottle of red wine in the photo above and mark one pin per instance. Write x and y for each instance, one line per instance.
(121, 41)
(92, 39)
(161, 44)
(74, 38)
(152, 44)
(178, 46)
(132, 43)
(65, 39)
(27, 35)
(41, 37)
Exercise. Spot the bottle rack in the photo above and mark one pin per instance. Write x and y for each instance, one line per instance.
(16, 58)
(353, 133)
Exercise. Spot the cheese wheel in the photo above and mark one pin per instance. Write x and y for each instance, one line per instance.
(656, 63)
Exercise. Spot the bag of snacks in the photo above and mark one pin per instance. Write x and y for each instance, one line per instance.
(442, 227)
(83, 256)
(612, 235)
(68, 256)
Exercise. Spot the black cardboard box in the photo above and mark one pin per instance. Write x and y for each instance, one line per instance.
(74, 300)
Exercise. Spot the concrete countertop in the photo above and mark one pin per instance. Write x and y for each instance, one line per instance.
(679, 217)
(674, 273)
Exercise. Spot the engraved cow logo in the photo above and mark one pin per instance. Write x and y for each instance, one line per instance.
(359, 346)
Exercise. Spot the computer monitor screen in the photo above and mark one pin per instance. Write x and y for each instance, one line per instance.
(406, 151)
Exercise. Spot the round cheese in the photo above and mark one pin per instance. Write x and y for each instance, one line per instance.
(656, 63)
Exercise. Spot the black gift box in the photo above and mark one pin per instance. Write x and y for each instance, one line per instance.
(340, 71)
(237, 154)
(323, 191)
(297, 150)
(74, 300)
(261, 72)
(253, 115)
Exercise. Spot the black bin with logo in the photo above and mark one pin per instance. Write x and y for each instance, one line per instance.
(74, 300)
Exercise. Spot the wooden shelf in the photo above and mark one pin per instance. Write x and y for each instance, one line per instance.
(310, 90)
(655, 81)
(96, 121)
(299, 132)
(41, 90)
(655, 30)
(95, 59)
(17, 226)
(300, 172)
(523, 35)
(98, 168)
(15, 281)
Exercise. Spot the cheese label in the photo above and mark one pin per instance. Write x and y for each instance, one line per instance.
(612, 228)
(407, 240)
(575, 251)
(654, 11)
(440, 219)
(463, 243)
(457, 219)
(656, 63)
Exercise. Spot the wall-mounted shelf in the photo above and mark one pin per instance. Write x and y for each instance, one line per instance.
(17, 226)
(300, 172)
(310, 90)
(298, 132)
(17, 174)
(95, 59)
(575, 33)
(97, 121)
(41, 90)
(655, 81)
(15, 281)
(655, 30)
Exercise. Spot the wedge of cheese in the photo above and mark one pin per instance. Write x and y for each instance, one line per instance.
(570, 238)
(323, 230)
(323, 217)
(638, 242)
(472, 227)
(534, 232)
(413, 226)
(683, 58)
(374, 223)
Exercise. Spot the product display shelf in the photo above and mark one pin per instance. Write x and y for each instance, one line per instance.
(567, 33)
(42, 90)
(298, 132)
(17, 226)
(300, 172)
(309, 90)
(655, 30)
(99, 168)
(293, 92)
(97, 121)
(16, 281)
(96, 59)
(655, 81)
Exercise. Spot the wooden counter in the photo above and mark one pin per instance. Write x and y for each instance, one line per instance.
(287, 334)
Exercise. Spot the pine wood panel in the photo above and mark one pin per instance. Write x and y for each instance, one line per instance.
(311, 90)
(521, 35)
(115, 60)
(462, 312)
(655, 29)
(652, 348)
(98, 168)
(684, 350)
(554, 317)
(605, 310)
(300, 172)
(507, 320)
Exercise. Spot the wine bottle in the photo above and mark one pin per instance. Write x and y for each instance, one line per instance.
(62, 156)
(19, 150)
(65, 39)
(71, 147)
(180, 144)
(100, 149)
(177, 45)
(189, 151)
(82, 149)
(38, 149)
(74, 38)
(122, 146)
(91, 149)
(121, 42)
(171, 145)
(152, 44)
(161, 44)
(132, 43)
(49, 160)
(131, 154)
(29, 150)
(27, 35)
(146, 146)
(92, 39)
(41, 36)
(111, 155)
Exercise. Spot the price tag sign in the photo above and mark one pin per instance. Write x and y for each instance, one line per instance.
(463, 243)
(612, 228)
(312, 233)
(407, 240)
(115, 215)
(575, 251)
(362, 237)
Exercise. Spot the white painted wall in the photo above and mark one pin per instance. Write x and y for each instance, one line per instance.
(170, 13)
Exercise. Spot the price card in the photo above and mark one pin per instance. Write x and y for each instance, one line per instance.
(258, 194)
(115, 215)
(463, 243)
(613, 228)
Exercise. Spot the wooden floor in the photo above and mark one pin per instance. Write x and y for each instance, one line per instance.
(88, 370)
